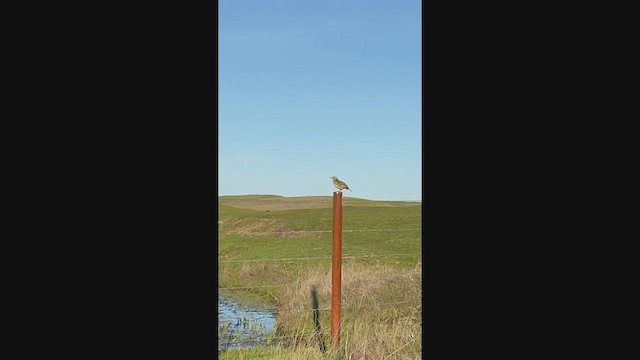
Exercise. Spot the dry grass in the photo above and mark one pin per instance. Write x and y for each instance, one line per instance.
(300, 353)
(381, 312)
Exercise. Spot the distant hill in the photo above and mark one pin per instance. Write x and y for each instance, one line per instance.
(276, 202)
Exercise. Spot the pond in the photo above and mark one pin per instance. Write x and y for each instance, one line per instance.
(243, 325)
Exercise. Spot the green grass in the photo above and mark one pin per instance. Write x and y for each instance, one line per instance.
(373, 325)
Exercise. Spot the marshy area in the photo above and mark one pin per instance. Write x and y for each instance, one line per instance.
(243, 324)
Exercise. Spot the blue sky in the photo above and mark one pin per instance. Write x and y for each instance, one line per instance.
(313, 89)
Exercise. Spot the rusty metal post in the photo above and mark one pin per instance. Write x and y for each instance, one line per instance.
(336, 269)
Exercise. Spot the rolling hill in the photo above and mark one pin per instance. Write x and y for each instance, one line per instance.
(276, 202)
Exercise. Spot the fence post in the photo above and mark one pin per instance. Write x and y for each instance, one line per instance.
(336, 269)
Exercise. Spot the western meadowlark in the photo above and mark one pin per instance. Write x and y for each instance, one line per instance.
(340, 185)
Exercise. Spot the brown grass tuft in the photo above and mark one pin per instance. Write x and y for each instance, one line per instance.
(257, 227)
(373, 325)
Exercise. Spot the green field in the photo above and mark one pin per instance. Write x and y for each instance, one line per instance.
(278, 248)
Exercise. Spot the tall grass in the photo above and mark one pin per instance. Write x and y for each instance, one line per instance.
(381, 310)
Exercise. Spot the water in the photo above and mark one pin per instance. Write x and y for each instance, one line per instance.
(241, 325)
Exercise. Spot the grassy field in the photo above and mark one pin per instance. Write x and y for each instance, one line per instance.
(289, 243)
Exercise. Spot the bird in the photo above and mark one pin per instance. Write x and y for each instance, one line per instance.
(340, 185)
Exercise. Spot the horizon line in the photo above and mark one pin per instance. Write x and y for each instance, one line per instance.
(419, 200)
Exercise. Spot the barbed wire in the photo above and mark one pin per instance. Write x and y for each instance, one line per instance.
(253, 286)
(319, 257)
(267, 336)
(328, 231)
(276, 338)
(348, 307)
